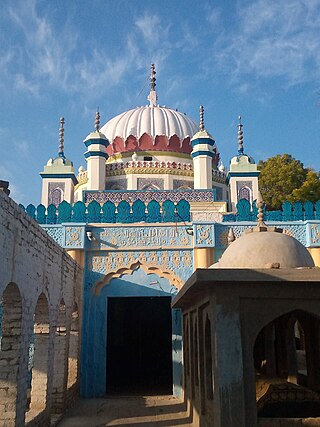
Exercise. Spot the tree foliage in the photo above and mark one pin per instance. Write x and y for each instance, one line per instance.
(310, 189)
(284, 178)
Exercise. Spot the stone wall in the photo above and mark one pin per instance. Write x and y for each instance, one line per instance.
(40, 298)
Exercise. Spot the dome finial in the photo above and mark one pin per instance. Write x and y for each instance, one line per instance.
(152, 97)
(61, 138)
(260, 205)
(201, 126)
(97, 121)
(240, 137)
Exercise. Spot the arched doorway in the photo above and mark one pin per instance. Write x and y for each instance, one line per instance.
(287, 367)
(121, 302)
(139, 345)
(39, 368)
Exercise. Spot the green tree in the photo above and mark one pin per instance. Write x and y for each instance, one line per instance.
(310, 189)
(280, 176)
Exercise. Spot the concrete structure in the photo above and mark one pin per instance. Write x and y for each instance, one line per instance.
(40, 307)
(251, 340)
(149, 210)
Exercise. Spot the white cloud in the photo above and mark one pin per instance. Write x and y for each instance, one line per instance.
(44, 52)
(150, 27)
(273, 39)
(23, 84)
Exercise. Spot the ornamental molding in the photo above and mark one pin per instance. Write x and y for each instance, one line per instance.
(128, 155)
(134, 164)
(143, 171)
(148, 195)
(148, 268)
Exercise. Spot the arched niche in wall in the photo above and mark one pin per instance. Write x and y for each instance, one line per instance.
(286, 358)
(39, 362)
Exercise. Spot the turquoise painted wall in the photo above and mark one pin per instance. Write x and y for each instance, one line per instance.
(94, 333)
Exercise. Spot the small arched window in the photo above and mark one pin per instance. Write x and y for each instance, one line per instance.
(244, 193)
(56, 196)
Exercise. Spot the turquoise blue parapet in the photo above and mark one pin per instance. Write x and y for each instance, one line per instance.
(290, 212)
(111, 212)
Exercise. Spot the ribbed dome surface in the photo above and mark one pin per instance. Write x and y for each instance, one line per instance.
(152, 120)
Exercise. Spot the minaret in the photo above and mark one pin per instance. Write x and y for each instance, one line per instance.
(96, 157)
(243, 174)
(58, 177)
(202, 154)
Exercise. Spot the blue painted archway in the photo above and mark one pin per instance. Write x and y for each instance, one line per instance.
(94, 336)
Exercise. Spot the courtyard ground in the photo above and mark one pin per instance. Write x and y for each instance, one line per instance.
(147, 411)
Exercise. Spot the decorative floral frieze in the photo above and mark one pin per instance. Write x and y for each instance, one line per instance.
(145, 196)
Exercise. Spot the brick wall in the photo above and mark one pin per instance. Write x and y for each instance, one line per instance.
(35, 276)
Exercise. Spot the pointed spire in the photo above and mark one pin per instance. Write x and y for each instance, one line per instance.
(240, 137)
(152, 97)
(201, 126)
(97, 121)
(61, 138)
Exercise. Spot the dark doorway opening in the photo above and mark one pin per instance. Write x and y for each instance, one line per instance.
(139, 346)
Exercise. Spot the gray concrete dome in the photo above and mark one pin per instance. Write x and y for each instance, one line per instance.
(265, 249)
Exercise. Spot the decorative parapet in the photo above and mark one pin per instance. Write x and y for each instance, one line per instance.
(290, 212)
(109, 212)
(146, 166)
(116, 196)
(139, 166)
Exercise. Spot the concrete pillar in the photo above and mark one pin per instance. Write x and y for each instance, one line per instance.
(60, 367)
(203, 257)
(315, 253)
(78, 256)
(10, 355)
(74, 351)
(229, 393)
(269, 350)
(291, 354)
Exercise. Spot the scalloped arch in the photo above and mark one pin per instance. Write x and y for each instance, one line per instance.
(172, 277)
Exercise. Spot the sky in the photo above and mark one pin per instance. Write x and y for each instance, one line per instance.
(257, 58)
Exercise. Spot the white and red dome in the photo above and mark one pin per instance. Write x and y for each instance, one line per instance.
(149, 128)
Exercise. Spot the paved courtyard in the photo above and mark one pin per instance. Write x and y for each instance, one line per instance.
(158, 411)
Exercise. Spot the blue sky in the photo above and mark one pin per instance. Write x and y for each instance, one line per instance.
(257, 58)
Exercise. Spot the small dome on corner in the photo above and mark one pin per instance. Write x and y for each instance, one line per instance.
(265, 249)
